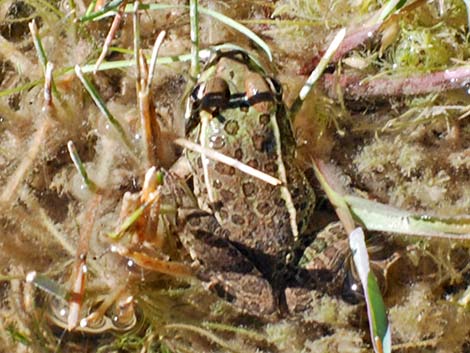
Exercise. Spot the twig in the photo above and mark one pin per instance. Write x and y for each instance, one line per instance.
(217, 156)
(355, 87)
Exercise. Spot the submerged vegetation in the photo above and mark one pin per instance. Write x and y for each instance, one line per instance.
(390, 115)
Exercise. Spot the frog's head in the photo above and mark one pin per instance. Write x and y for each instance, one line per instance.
(233, 79)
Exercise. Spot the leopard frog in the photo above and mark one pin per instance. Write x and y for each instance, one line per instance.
(243, 230)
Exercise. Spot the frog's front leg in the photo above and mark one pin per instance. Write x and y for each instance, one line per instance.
(219, 263)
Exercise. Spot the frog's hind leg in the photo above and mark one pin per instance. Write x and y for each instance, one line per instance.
(226, 270)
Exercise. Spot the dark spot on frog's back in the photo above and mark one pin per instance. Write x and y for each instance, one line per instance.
(280, 202)
(264, 208)
(270, 167)
(249, 189)
(231, 127)
(238, 220)
(253, 163)
(223, 214)
(264, 142)
(227, 195)
(258, 141)
(238, 154)
(224, 169)
(264, 119)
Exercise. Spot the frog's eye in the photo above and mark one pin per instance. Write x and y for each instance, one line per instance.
(258, 92)
(213, 95)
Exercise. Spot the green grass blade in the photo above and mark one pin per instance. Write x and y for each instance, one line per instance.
(217, 15)
(18, 336)
(376, 311)
(103, 108)
(104, 11)
(389, 8)
(46, 284)
(380, 217)
(240, 28)
(132, 218)
(80, 167)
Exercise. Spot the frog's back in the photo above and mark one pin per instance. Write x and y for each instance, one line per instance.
(255, 131)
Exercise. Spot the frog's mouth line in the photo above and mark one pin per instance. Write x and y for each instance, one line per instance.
(241, 100)
(215, 102)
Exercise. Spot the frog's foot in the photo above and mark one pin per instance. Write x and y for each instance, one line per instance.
(299, 297)
(249, 293)
(229, 273)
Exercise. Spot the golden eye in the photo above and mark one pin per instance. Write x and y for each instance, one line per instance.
(214, 95)
(258, 92)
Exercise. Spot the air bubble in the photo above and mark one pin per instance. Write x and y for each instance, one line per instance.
(216, 141)
(31, 276)
(130, 263)
(354, 287)
(83, 323)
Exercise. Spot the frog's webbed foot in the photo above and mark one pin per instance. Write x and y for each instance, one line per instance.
(229, 273)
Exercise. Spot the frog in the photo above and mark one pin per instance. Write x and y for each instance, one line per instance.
(240, 231)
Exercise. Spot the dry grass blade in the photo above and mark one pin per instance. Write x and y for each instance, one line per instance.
(152, 138)
(316, 74)
(150, 129)
(112, 31)
(217, 156)
(154, 57)
(194, 23)
(79, 273)
(25, 167)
